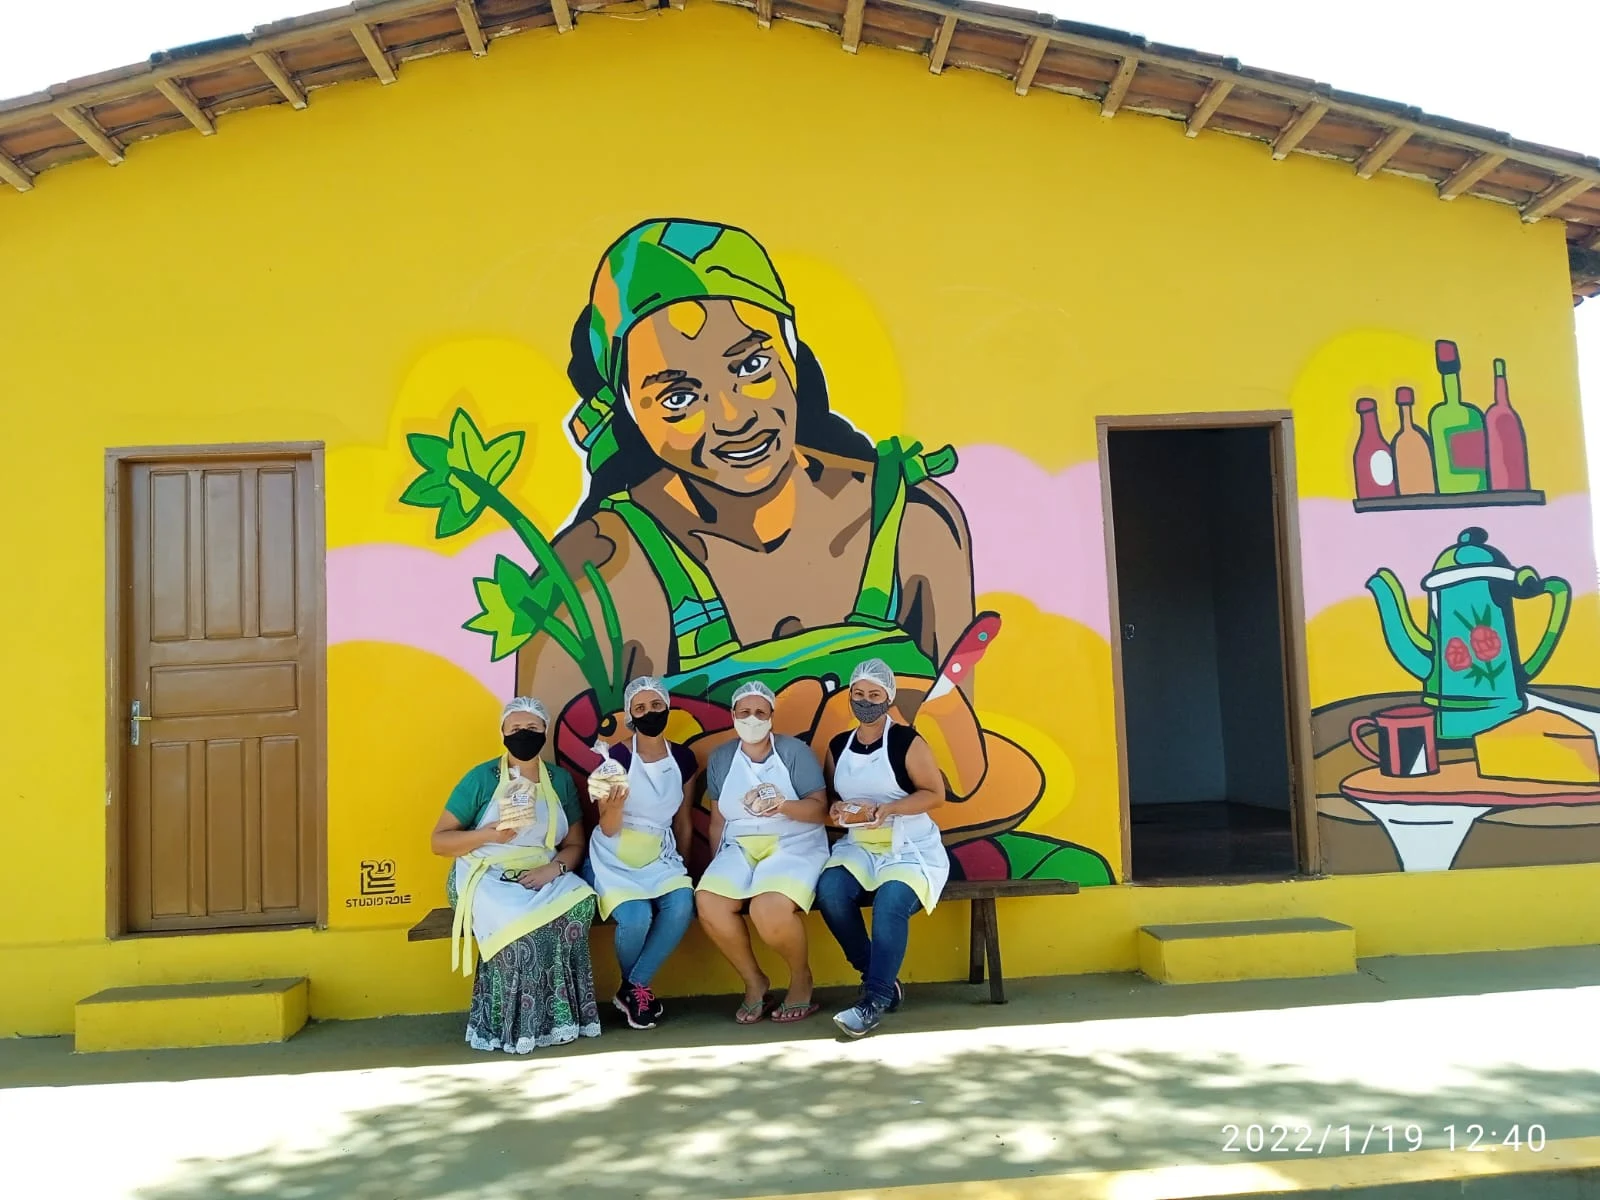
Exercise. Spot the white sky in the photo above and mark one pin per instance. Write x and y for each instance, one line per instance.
(1527, 67)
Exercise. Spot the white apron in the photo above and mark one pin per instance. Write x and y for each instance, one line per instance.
(907, 848)
(764, 854)
(489, 901)
(642, 862)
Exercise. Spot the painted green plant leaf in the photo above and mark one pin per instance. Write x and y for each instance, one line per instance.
(492, 462)
(504, 616)
(438, 487)
(1034, 857)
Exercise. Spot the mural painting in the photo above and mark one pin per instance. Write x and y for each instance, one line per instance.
(734, 527)
(1481, 766)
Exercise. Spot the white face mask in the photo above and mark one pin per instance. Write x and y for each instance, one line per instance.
(753, 729)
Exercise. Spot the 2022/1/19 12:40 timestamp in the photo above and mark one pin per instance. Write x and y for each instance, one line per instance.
(1285, 1138)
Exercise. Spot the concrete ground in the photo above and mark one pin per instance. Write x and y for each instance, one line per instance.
(1081, 1086)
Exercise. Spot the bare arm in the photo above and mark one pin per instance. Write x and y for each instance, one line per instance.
(924, 772)
(683, 822)
(714, 834)
(450, 840)
(611, 812)
(810, 809)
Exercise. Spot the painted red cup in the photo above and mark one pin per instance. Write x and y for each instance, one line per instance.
(1406, 742)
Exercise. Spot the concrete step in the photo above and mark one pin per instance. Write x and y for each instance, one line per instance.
(170, 1016)
(1219, 951)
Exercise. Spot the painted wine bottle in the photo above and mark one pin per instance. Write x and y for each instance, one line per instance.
(1508, 444)
(1413, 455)
(1460, 454)
(1374, 461)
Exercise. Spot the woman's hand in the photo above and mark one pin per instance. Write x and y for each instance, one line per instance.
(539, 876)
(615, 797)
(879, 814)
(497, 837)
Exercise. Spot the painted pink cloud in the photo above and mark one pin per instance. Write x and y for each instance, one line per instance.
(1341, 548)
(1034, 533)
(382, 592)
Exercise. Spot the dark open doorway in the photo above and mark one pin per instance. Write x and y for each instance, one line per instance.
(1206, 676)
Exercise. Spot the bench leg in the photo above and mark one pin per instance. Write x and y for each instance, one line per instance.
(976, 943)
(991, 940)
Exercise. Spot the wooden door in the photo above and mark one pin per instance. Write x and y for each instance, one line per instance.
(220, 611)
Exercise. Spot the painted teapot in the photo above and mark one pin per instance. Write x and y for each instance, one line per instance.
(1471, 673)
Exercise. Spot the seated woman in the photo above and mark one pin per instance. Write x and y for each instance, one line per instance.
(513, 827)
(884, 780)
(636, 855)
(770, 803)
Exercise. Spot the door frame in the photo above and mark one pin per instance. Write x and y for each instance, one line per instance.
(117, 459)
(1291, 615)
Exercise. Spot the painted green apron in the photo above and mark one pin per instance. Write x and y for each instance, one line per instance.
(707, 659)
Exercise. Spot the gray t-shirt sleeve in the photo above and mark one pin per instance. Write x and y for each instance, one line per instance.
(805, 772)
(717, 769)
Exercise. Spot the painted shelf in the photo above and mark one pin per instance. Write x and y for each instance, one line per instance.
(1461, 500)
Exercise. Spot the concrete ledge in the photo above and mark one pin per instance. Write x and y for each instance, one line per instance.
(194, 1014)
(1218, 951)
(1564, 1170)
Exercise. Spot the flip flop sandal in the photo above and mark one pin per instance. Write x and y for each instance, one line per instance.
(787, 1013)
(751, 1014)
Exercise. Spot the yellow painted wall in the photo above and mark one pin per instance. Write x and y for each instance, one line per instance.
(969, 267)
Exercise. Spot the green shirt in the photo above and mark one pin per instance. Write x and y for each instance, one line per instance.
(472, 795)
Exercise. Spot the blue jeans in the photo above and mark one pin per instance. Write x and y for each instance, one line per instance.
(650, 930)
(878, 959)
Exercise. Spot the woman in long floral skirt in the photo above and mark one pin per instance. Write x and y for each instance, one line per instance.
(514, 828)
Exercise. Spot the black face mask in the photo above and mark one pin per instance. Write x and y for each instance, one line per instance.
(652, 724)
(524, 744)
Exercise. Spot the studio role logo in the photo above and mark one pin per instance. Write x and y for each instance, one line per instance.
(379, 885)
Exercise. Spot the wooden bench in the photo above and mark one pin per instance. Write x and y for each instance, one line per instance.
(983, 946)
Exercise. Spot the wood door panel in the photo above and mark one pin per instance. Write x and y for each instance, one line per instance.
(222, 583)
(224, 689)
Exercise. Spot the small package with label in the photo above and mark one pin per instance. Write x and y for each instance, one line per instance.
(609, 779)
(517, 803)
(763, 800)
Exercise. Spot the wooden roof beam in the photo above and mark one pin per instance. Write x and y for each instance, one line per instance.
(855, 12)
(1292, 134)
(764, 13)
(90, 134)
(1117, 92)
(1370, 163)
(1469, 174)
(1030, 63)
(469, 25)
(1553, 197)
(377, 56)
(563, 12)
(1207, 108)
(183, 100)
(14, 173)
(272, 67)
(941, 44)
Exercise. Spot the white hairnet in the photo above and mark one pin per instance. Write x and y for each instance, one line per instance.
(876, 670)
(645, 683)
(754, 688)
(526, 704)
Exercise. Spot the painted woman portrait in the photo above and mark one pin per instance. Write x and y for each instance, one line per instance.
(745, 531)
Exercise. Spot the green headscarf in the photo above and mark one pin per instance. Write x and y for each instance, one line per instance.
(651, 266)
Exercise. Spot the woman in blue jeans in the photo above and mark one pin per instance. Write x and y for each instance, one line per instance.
(884, 781)
(636, 856)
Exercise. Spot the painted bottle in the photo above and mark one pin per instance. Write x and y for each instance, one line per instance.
(1460, 459)
(1508, 445)
(1374, 461)
(1413, 455)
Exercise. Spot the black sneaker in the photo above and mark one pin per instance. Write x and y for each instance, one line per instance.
(899, 998)
(638, 1004)
(658, 1010)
